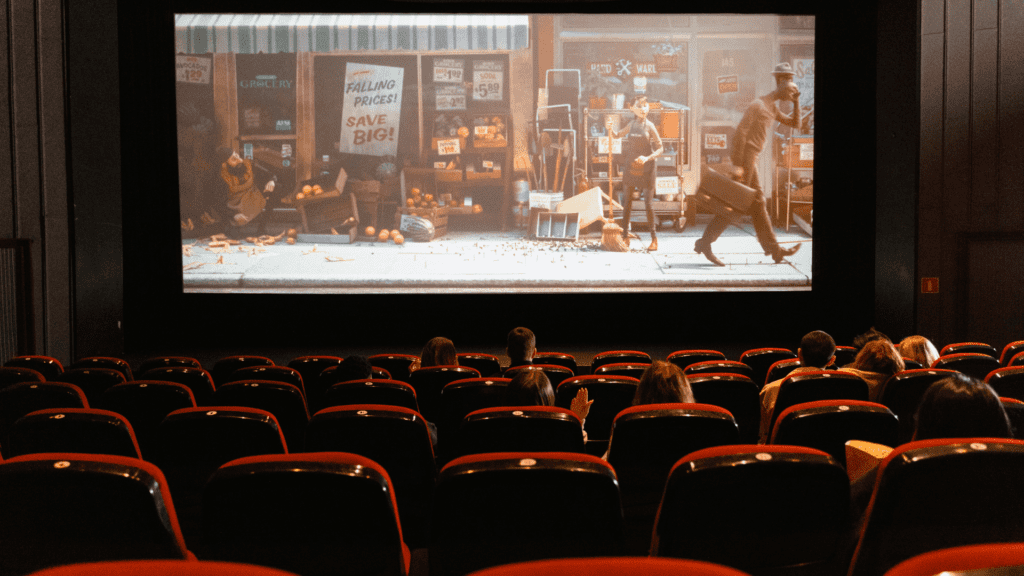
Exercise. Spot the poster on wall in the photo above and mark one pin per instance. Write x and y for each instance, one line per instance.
(803, 77)
(192, 69)
(372, 109)
(488, 80)
(729, 82)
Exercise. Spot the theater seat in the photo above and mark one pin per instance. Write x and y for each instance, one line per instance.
(827, 425)
(394, 437)
(629, 369)
(396, 364)
(167, 362)
(718, 367)
(1015, 412)
(48, 366)
(611, 395)
(1009, 351)
(162, 568)
(111, 362)
(557, 359)
(618, 357)
(93, 381)
(21, 399)
(62, 508)
(1007, 381)
(819, 385)
(486, 364)
(610, 567)
(845, 355)
(646, 442)
(281, 399)
(458, 399)
(902, 392)
(145, 403)
(428, 383)
(756, 508)
(969, 363)
(761, 359)
(223, 367)
(521, 429)
(197, 380)
(978, 559)
(370, 391)
(780, 370)
(934, 494)
(313, 514)
(10, 375)
(275, 373)
(85, 430)
(684, 358)
(310, 368)
(737, 394)
(973, 347)
(493, 509)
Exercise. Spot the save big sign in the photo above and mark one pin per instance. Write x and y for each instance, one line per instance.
(372, 109)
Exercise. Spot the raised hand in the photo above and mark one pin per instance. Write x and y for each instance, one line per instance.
(579, 405)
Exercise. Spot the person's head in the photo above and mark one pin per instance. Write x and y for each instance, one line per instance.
(817, 349)
(227, 156)
(879, 356)
(521, 345)
(860, 340)
(662, 382)
(959, 406)
(529, 388)
(919, 349)
(640, 107)
(785, 89)
(439, 351)
(354, 368)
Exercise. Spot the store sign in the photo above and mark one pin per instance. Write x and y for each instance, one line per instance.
(715, 141)
(729, 83)
(803, 77)
(646, 68)
(450, 97)
(602, 68)
(192, 69)
(488, 80)
(372, 109)
(448, 147)
(448, 70)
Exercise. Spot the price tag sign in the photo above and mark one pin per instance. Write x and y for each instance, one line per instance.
(715, 141)
(807, 152)
(448, 147)
(450, 97)
(448, 69)
(488, 164)
(440, 165)
(602, 146)
(192, 69)
(639, 84)
(488, 80)
(728, 84)
(480, 130)
(286, 150)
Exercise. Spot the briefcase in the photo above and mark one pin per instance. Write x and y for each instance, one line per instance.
(728, 192)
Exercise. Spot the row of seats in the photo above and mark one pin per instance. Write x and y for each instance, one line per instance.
(336, 512)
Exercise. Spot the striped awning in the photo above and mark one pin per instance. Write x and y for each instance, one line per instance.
(270, 33)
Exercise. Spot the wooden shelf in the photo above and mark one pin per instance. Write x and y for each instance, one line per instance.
(267, 137)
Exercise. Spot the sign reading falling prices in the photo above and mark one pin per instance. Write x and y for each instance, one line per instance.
(372, 110)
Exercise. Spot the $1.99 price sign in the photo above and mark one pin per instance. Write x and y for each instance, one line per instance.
(448, 69)
(488, 79)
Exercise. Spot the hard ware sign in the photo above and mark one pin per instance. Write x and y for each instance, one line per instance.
(371, 114)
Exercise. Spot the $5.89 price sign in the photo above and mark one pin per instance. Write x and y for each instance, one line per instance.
(488, 79)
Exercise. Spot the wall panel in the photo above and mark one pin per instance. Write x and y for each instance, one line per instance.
(1011, 115)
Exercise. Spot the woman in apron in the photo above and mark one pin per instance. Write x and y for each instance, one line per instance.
(642, 146)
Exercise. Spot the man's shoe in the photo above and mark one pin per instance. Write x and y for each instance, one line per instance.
(654, 245)
(781, 253)
(701, 248)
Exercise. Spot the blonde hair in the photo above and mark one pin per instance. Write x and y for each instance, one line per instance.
(919, 349)
(879, 356)
(662, 382)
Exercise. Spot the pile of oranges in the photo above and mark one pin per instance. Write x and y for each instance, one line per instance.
(384, 235)
(419, 200)
(309, 191)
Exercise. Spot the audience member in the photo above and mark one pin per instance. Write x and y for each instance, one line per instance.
(875, 363)
(817, 350)
(960, 406)
(533, 388)
(438, 351)
(919, 349)
(354, 367)
(662, 382)
(520, 346)
(861, 340)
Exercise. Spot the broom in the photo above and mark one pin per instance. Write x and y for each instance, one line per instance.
(611, 233)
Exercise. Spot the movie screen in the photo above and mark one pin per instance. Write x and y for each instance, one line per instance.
(495, 153)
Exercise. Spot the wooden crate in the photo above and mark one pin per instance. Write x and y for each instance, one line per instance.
(325, 211)
(437, 216)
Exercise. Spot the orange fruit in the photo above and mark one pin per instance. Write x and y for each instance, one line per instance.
(370, 231)
(383, 236)
(394, 233)
(307, 189)
(477, 208)
(414, 191)
(300, 196)
(410, 202)
(399, 239)
(428, 197)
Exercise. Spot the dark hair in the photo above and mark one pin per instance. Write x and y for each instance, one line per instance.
(521, 344)
(662, 382)
(861, 340)
(223, 153)
(959, 406)
(438, 351)
(637, 100)
(529, 388)
(816, 349)
(354, 368)
(879, 356)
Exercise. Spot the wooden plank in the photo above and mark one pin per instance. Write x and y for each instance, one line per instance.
(305, 129)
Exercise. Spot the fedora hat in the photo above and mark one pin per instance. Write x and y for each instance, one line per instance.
(783, 69)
